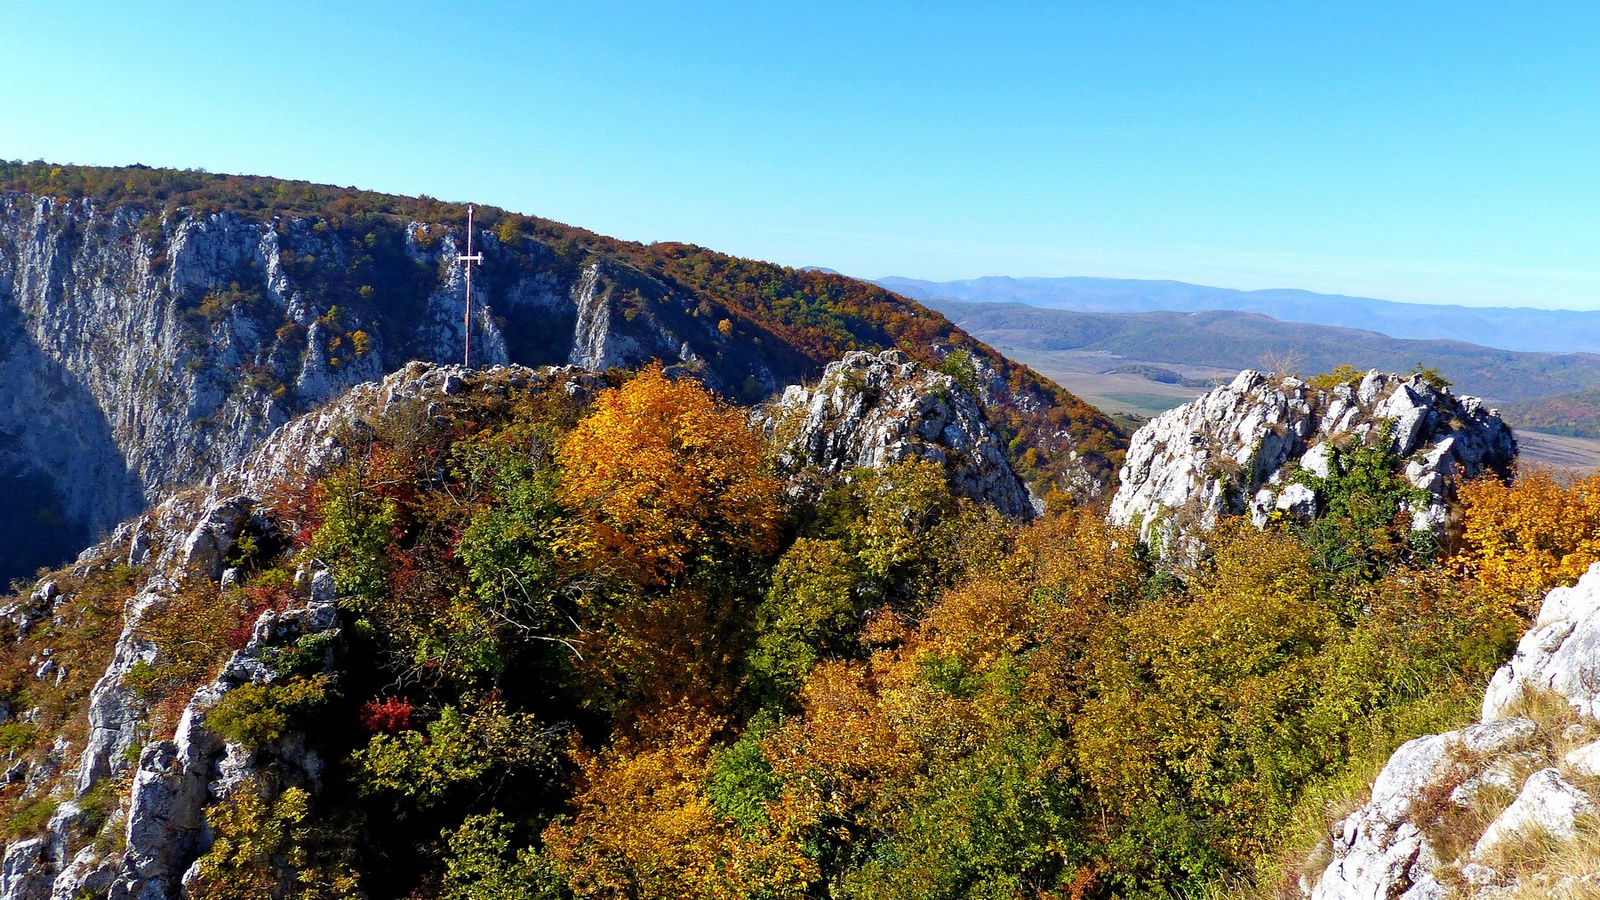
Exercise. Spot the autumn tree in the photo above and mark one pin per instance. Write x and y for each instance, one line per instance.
(644, 828)
(674, 512)
(1524, 538)
(664, 478)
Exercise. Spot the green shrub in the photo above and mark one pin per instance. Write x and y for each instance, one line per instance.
(272, 848)
(482, 864)
(457, 751)
(252, 715)
(809, 611)
(740, 782)
(962, 370)
(30, 817)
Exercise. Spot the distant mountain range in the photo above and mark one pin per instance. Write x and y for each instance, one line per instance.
(1558, 331)
(1229, 341)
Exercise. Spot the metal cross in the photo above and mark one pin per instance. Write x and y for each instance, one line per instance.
(467, 259)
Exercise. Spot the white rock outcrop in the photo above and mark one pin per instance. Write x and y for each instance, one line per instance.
(1382, 851)
(177, 778)
(871, 410)
(1559, 655)
(1547, 803)
(1233, 450)
(1378, 851)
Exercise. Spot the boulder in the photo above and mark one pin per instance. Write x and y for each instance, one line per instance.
(1547, 803)
(25, 872)
(1559, 655)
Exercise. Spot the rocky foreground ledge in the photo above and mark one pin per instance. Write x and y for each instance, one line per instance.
(1505, 808)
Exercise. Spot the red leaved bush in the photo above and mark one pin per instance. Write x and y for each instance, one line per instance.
(256, 600)
(391, 715)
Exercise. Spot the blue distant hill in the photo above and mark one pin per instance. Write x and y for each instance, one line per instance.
(1555, 331)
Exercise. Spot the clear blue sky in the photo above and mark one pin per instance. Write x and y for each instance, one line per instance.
(1414, 151)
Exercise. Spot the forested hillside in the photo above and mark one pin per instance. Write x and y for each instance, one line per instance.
(1576, 414)
(817, 315)
(564, 636)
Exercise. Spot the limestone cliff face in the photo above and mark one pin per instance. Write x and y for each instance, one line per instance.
(870, 410)
(140, 352)
(1493, 810)
(1236, 449)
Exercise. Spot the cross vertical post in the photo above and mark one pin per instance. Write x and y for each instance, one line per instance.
(468, 259)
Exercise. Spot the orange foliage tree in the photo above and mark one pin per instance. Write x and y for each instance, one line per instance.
(1522, 539)
(663, 475)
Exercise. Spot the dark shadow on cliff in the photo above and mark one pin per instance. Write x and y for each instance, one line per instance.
(33, 530)
(63, 479)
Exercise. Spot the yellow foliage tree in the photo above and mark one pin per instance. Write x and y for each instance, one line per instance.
(643, 828)
(1522, 539)
(663, 475)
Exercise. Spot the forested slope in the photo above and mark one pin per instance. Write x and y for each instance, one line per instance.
(512, 634)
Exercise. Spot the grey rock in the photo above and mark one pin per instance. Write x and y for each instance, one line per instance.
(1378, 853)
(87, 875)
(25, 872)
(1585, 760)
(1560, 654)
(114, 712)
(1547, 803)
(176, 779)
(163, 823)
(322, 589)
(207, 546)
(871, 410)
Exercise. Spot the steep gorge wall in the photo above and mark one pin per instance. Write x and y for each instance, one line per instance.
(140, 352)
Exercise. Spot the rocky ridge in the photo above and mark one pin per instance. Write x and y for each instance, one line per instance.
(1236, 449)
(156, 826)
(870, 410)
(1454, 814)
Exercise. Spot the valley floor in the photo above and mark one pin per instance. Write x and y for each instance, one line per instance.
(1083, 372)
(1558, 452)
